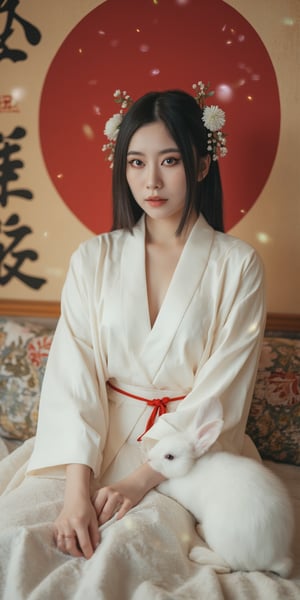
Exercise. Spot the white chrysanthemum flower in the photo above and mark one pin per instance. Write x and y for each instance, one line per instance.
(111, 129)
(213, 118)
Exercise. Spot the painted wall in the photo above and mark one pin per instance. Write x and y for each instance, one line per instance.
(51, 230)
(273, 225)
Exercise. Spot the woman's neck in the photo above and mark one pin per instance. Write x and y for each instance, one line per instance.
(163, 231)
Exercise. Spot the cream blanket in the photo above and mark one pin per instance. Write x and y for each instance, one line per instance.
(142, 557)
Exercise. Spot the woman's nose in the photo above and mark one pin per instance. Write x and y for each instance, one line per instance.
(153, 180)
(153, 186)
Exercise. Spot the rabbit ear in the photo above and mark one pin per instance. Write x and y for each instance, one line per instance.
(206, 435)
(209, 410)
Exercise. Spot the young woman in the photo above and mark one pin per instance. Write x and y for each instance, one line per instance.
(159, 315)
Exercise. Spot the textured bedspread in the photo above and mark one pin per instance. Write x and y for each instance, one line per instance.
(144, 556)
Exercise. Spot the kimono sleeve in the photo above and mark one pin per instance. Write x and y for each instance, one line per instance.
(73, 414)
(228, 368)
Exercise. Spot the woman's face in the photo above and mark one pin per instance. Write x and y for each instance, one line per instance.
(155, 172)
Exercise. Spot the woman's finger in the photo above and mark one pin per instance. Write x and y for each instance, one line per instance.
(71, 546)
(124, 508)
(110, 508)
(68, 544)
(94, 533)
(107, 502)
(84, 542)
(99, 500)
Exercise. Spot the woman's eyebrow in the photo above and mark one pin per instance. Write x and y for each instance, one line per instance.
(165, 151)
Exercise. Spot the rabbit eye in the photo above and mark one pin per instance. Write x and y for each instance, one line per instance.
(169, 456)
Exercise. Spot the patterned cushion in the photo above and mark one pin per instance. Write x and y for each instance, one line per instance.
(274, 419)
(24, 348)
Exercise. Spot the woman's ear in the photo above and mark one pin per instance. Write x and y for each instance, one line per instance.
(204, 164)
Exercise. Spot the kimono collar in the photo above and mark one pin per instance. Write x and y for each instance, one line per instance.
(152, 344)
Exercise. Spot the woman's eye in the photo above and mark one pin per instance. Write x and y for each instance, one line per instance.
(135, 162)
(170, 161)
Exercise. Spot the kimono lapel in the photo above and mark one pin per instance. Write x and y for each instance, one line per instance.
(184, 283)
(134, 289)
(151, 345)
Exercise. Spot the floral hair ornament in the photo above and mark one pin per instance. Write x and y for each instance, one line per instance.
(112, 126)
(213, 119)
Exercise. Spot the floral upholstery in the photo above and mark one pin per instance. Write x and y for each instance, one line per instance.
(274, 419)
(24, 348)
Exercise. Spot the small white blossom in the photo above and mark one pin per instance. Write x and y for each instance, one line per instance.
(213, 118)
(111, 129)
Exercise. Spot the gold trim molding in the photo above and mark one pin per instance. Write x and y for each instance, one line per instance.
(29, 308)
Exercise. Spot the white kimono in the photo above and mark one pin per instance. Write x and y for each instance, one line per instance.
(204, 343)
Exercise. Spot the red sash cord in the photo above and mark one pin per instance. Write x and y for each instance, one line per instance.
(159, 405)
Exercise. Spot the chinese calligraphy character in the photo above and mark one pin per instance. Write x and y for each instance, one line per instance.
(32, 34)
(8, 167)
(16, 234)
(7, 104)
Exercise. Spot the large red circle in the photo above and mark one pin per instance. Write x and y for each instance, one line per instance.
(140, 46)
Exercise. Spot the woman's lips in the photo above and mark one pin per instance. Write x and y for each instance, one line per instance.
(155, 201)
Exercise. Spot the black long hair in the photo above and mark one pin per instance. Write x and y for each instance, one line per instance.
(182, 116)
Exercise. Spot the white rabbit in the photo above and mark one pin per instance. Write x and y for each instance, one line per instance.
(243, 509)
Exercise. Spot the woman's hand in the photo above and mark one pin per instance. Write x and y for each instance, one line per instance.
(76, 528)
(122, 496)
(114, 499)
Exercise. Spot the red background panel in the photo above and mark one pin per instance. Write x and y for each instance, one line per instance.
(140, 46)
